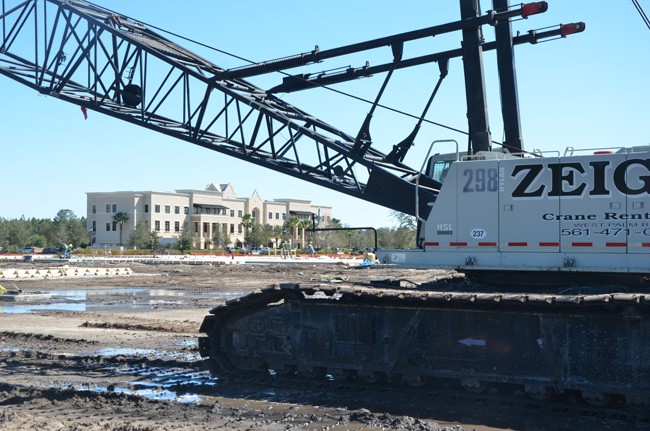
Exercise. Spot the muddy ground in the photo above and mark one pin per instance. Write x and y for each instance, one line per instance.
(121, 354)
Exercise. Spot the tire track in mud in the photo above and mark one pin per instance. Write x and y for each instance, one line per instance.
(186, 384)
(217, 409)
(144, 326)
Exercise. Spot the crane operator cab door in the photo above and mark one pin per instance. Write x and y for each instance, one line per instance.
(463, 221)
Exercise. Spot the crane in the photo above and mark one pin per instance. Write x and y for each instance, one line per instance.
(554, 247)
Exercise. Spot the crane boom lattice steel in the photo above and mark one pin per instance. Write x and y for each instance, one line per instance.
(103, 61)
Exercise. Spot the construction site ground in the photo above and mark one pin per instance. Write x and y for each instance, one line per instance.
(120, 353)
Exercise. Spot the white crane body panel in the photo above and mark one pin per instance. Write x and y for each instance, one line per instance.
(571, 213)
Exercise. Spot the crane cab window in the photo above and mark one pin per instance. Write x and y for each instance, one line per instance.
(439, 170)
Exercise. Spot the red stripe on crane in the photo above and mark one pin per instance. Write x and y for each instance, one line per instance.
(549, 244)
(487, 244)
(582, 244)
(517, 244)
(458, 244)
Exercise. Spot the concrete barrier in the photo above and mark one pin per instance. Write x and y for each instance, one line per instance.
(65, 272)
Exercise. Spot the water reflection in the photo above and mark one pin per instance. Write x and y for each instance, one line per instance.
(81, 300)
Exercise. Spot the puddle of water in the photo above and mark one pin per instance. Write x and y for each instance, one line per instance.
(127, 352)
(156, 383)
(158, 354)
(153, 393)
(26, 309)
(161, 395)
(84, 300)
(188, 343)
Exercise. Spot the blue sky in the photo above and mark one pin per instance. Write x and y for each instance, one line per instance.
(588, 90)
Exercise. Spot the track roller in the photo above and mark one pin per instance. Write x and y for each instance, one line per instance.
(282, 369)
(311, 372)
(340, 374)
(473, 386)
(596, 399)
(369, 376)
(538, 392)
(414, 380)
(638, 402)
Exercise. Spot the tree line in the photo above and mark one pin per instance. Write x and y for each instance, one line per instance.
(298, 232)
(65, 228)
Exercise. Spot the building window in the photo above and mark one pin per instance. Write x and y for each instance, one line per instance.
(168, 209)
(167, 226)
(270, 215)
(146, 208)
(108, 208)
(114, 208)
(205, 227)
(277, 216)
(177, 209)
(177, 226)
(284, 216)
(232, 213)
(196, 227)
(94, 226)
(186, 210)
(254, 215)
(239, 213)
(232, 228)
(94, 209)
(108, 227)
(239, 228)
(157, 208)
(157, 222)
(114, 226)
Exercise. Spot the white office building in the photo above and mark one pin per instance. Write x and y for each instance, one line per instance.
(203, 211)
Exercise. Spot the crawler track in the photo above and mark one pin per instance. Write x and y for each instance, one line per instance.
(543, 344)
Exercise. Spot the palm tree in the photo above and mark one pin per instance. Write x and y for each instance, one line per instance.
(304, 225)
(247, 221)
(267, 234)
(277, 235)
(292, 224)
(120, 218)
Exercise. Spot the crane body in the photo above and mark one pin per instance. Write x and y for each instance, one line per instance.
(578, 213)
